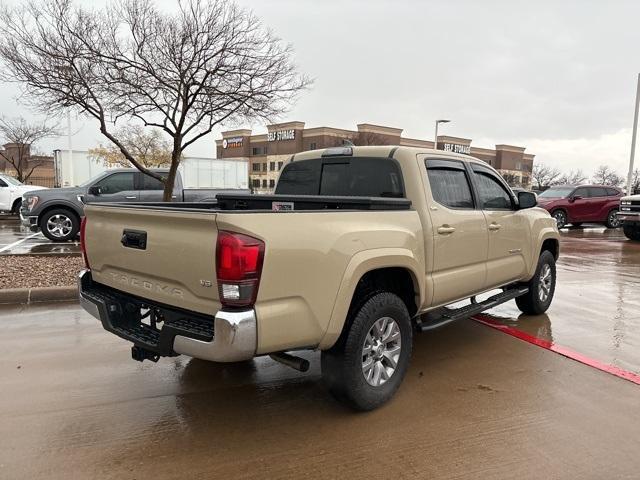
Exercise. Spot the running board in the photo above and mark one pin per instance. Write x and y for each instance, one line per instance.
(451, 315)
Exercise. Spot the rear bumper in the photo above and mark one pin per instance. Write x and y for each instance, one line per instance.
(229, 336)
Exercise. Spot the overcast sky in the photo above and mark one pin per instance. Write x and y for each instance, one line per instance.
(558, 78)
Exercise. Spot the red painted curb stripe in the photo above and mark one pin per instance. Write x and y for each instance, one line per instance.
(564, 351)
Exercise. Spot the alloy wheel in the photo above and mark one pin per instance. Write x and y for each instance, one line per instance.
(381, 351)
(59, 225)
(561, 218)
(613, 221)
(545, 283)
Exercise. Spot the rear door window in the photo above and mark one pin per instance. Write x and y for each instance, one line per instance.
(349, 176)
(597, 192)
(146, 182)
(449, 184)
(581, 192)
(612, 192)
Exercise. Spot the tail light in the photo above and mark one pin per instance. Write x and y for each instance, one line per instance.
(83, 246)
(238, 268)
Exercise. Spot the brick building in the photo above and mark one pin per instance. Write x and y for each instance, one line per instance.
(268, 152)
(40, 166)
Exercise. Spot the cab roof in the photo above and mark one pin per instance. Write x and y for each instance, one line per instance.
(383, 151)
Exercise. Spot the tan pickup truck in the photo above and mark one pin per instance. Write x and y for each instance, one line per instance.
(355, 246)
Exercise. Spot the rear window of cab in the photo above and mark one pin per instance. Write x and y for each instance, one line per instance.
(342, 176)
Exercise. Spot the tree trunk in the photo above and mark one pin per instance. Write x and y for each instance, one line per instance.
(169, 183)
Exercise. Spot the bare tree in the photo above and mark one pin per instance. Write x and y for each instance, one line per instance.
(545, 176)
(371, 138)
(185, 73)
(147, 146)
(635, 182)
(511, 179)
(605, 175)
(574, 177)
(24, 136)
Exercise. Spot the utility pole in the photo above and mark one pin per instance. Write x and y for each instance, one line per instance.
(70, 154)
(633, 139)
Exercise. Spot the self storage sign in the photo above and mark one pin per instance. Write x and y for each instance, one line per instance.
(281, 135)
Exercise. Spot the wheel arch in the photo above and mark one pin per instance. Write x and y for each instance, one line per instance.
(561, 209)
(551, 245)
(62, 205)
(16, 202)
(393, 270)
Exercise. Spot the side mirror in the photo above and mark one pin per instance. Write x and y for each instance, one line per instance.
(94, 190)
(527, 200)
(575, 197)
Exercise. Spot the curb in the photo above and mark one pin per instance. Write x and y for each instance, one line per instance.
(38, 294)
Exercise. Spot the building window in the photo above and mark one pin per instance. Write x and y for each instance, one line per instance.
(255, 151)
(264, 167)
(313, 146)
(279, 166)
(256, 167)
(264, 183)
(272, 183)
(518, 166)
(256, 183)
(272, 166)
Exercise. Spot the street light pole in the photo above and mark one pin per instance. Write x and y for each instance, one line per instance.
(633, 139)
(435, 141)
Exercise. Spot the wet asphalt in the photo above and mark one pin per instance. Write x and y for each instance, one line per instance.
(476, 403)
(18, 240)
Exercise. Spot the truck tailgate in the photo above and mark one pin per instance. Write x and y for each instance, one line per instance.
(173, 265)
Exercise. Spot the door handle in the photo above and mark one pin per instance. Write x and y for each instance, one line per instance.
(444, 230)
(494, 226)
(130, 198)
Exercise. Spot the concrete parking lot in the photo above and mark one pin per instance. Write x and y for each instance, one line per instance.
(17, 240)
(476, 403)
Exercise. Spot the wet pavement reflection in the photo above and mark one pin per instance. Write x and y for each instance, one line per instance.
(18, 240)
(475, 404)
(596, 309)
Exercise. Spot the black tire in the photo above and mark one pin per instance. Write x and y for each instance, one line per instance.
(632, 231)
(15, 209)
(612, 219)
(561, 218)
(532, 302)
(343, 366)
(68, 221)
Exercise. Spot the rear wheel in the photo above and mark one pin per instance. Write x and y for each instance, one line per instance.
(60, 225)
(541, 287)
(612, 219)
(632, 231)
(561, 218)
(366, 366)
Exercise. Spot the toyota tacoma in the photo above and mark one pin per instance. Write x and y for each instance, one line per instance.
(348, 256)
